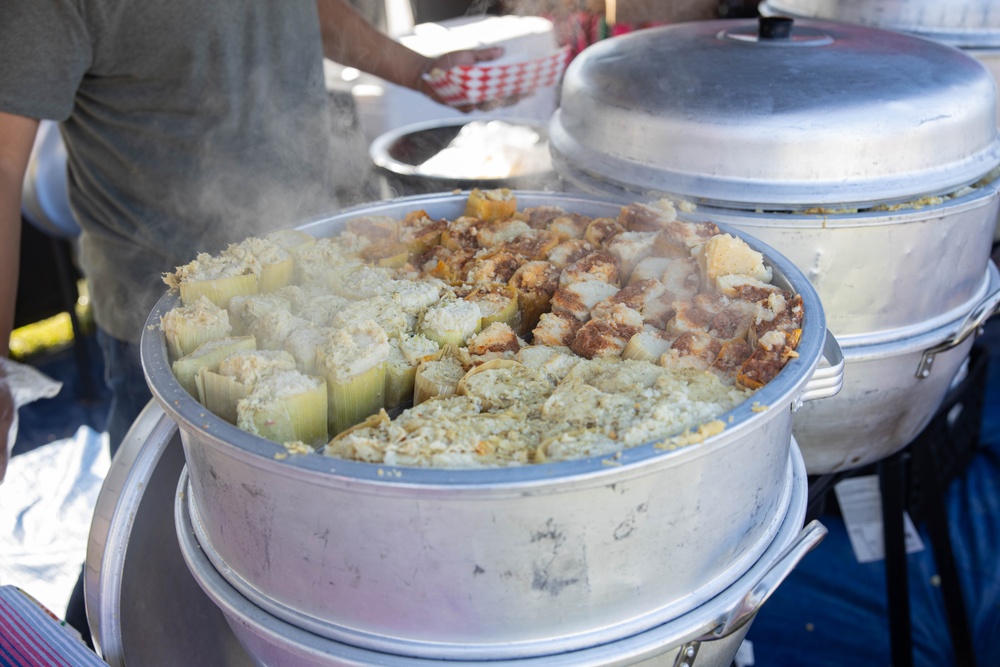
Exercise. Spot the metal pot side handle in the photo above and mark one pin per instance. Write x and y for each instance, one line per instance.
(744, 610)
(828, 378)
(972, 325)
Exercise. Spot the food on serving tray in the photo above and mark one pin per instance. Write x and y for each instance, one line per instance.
(502, 337)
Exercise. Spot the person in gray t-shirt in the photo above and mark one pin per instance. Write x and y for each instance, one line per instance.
(188, 125)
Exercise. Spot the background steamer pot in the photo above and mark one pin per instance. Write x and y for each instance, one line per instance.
(971, 25)
(866, 157)
(522, 561)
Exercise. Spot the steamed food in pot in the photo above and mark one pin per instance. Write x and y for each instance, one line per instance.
(506, 336)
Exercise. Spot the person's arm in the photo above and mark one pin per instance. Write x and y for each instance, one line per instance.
(17, 135)
(350, 40)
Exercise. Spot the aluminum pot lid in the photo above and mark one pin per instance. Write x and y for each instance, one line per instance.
(965, 23)
(723, 112)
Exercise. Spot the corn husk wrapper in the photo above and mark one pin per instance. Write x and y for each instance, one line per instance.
(220, 393)
(391, 255)
(185, 328)
(354, 400)
(490, 205)
(531, 305)
(291, 240)
(492, 364)
(275, 275)
(509, 314)
(465, 321)
(428, 385)
(218, 290)
(400, 381)
(645, 346)
(286, 418)
(208, 355)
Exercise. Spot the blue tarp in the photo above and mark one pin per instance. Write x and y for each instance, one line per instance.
(832, 611)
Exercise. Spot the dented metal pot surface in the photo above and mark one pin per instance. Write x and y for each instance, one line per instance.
(512, 562)
(707, 636)
(892, 389)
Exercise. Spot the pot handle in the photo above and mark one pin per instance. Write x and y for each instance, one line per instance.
(828, 379)
(973, 324)
(743, 611)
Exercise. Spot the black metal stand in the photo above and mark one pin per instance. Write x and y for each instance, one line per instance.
(916, 479)
(892, 484)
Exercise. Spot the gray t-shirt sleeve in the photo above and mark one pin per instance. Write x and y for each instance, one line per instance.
(45, 51)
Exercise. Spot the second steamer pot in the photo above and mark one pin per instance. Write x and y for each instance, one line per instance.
(864, 155)
(513, 562)
(707, 636)
(892, 389)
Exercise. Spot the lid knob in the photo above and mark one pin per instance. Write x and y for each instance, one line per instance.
(775, 27)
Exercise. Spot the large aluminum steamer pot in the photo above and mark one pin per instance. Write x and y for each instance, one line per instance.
(707, 636)
(971, 25)
(892, 389)
(144, 607)
(497, 562)
(812, 139)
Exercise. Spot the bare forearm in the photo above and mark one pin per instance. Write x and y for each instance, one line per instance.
(17, 134)
(350, 40)
(10, 247)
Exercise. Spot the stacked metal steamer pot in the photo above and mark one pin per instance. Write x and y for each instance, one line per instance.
(970, 25)
(654, 556)
(863, 155)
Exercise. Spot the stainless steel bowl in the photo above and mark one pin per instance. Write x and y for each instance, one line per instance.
(461, 154)
(503, 562)
(707, 636)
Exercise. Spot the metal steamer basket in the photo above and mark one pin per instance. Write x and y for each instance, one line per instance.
(498, 563)
(707, 636)
(913, 374)
(862, 155)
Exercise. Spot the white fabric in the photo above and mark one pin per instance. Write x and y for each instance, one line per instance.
(46, 504)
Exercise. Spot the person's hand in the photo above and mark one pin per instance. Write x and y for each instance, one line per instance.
(465, 57)
(6, 419)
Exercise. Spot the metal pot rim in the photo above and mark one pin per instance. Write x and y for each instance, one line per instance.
(916, 339)
(979, 197)
(781, 393)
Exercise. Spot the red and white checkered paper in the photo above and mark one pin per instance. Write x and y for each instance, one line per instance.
(475, 84)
